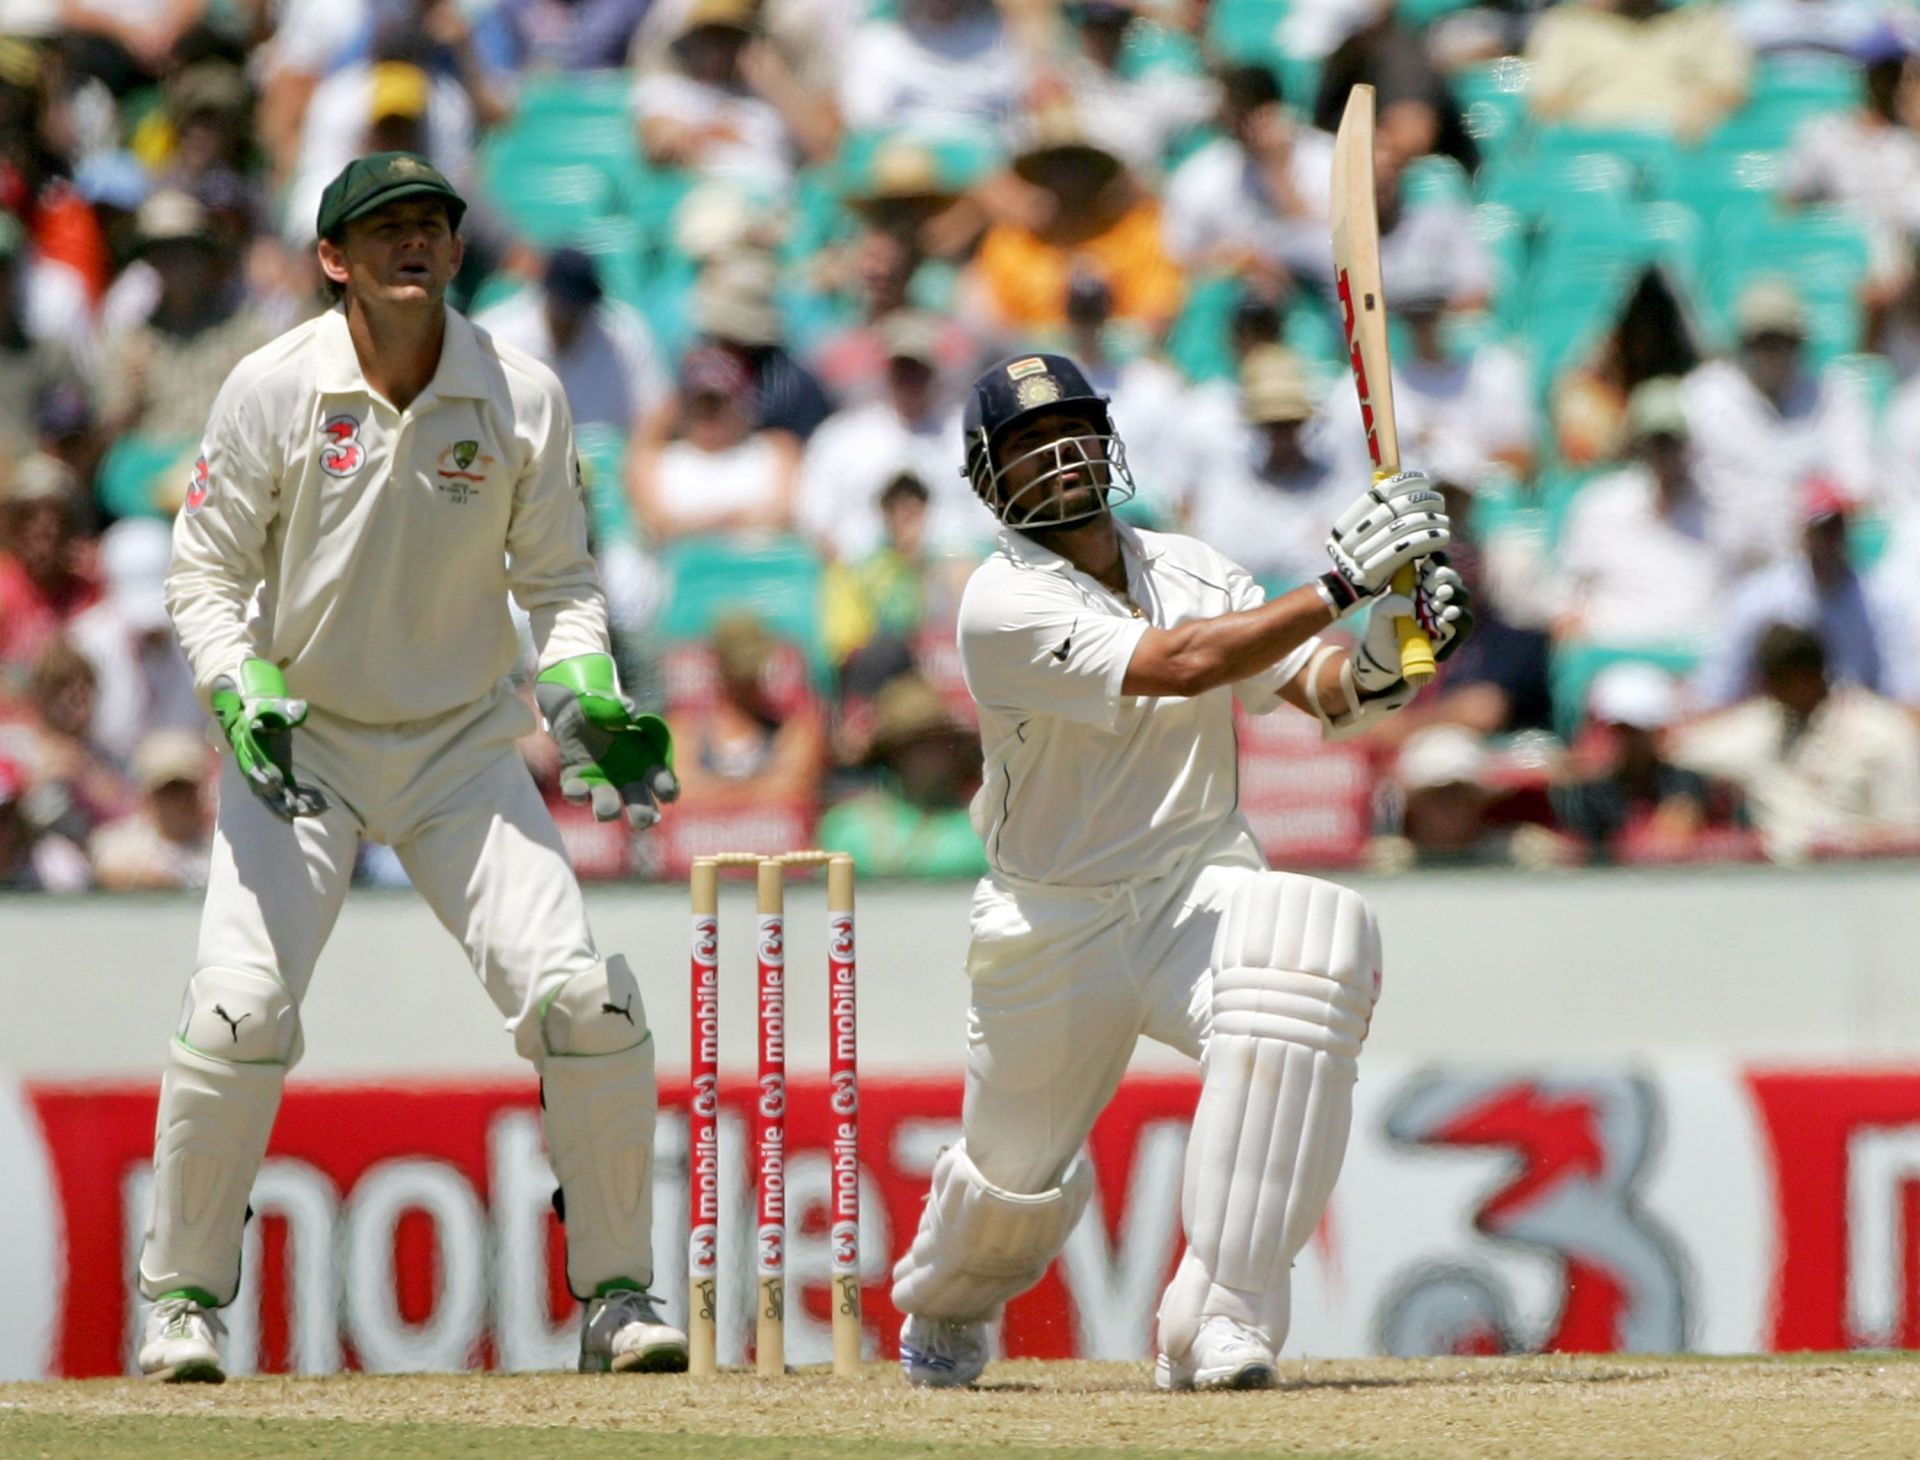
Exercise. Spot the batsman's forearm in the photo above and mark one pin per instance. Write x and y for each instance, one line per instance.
(1208, 653)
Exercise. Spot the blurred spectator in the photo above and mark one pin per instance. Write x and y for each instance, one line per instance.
(1844, 27)
(756, 746)
(205, 126)
(33, 859)
(518, 36)
(1817, 589)
(32, 364)
(1631, 800)
(734, 307)
(880, 265)
(68, 253)
(1433, 234)
(882, 595)
(1823, 768)
(1639, 557)
(727, 473)
(1868, 159)
(46, 568)
(1442, 773)
(1147, 398)
(143, 680)
(1076, 211)
(1637, 63)
(127, 42)
(1263, 493)
(860, 448)
(1652, 336)
(600, 348)
(1137, 117)
(1416, 111)
(936, 66)
(1254, 202)
(76, 786)
(915, 822)
(159, 378)
(1762, 422)
(167, 842)
(727, 119)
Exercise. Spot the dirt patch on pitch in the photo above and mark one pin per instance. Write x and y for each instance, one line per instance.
(1480, 1409)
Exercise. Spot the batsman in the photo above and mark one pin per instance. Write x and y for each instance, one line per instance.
(372, 487)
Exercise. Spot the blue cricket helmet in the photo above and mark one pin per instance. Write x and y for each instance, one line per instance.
(1017, 389)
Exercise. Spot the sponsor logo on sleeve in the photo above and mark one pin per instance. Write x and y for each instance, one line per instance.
(199, 485)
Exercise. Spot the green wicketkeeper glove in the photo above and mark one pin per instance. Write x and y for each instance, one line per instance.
(259, 717)
(609, 751)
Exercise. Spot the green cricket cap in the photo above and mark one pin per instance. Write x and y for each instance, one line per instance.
(373, 181)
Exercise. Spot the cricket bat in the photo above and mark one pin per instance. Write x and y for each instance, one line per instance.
(1363, 315)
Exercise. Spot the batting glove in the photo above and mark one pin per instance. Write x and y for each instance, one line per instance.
(258, 718)
(1440, 604)
(610, 754)
(1396, 521)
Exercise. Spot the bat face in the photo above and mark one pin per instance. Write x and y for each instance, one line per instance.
(1356, 358)
(1356, 273)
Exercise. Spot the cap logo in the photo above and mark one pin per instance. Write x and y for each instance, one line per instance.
(1021, 369)
(407, 167)
(1039, 391)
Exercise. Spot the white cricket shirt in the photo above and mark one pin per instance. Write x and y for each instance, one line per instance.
(1085, 786)
(369, 552)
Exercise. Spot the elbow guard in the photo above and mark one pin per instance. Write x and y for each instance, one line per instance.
(1355, 710)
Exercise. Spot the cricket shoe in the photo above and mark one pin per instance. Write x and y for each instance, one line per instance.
(180, 1344)
(623, 1332)
(1226, 1354)
(942, 1353)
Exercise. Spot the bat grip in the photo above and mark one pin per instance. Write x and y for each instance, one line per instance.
(1417, 665)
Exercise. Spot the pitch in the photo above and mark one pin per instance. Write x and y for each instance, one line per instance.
(1539, 1408)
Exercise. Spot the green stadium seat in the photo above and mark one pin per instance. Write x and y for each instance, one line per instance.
(603, 460)
(1493, 103)
(1436, 179)
(133, 481)
(1562, 184)
(548, 202)
(1787, 91)
(778, 581)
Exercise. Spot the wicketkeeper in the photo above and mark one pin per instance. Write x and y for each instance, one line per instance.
(372, 487)
(1126, 894)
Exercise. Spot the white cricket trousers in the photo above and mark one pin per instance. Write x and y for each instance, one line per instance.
(1064, 984)
(457, 804)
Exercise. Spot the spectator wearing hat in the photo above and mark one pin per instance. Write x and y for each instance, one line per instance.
(1638, 559)
(1253, 202)
(32, 858)
(158, 377)
(728, 108)
(761, 744)
(144, 683)
(1444, 775)
(1637, 63)
(46, 569)
(600, 348)
(1824, 768)
(914, 823)
(911, 428)
(1628, 800)
(166, 843)
(205, 125)
(1761, 422)
(935, 67)
(1861, 632)
(735, 307)
(1267, 488)
(726, 473)
(1075, 211)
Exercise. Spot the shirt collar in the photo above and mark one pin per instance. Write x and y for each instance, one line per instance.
(461, 373)
(1024, 550)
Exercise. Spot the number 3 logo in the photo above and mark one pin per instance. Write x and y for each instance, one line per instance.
(342, 454)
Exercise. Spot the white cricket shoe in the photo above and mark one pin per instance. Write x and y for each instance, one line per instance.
(180, 1345)
(623, 1332)
(942, 1353)
(1226, 1354)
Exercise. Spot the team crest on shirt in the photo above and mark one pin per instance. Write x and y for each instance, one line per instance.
(461, 470)
(199, 485)
(341, 454)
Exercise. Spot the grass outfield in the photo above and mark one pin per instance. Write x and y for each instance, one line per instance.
(1551, 1408)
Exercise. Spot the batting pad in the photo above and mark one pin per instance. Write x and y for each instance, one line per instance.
(599, 1098)
(978, 1245)
(1295, 978)
(239, 1033)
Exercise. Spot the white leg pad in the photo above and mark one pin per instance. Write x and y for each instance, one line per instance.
(1296, 973)
(978, 1245)
(239, 1033)
(599, 1098)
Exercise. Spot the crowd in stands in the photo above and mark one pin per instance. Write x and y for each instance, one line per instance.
(1657, 336)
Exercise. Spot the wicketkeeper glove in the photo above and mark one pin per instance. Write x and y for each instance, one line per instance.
(1440, 604)
(1396, 521)
(610, 753)
(258, 717)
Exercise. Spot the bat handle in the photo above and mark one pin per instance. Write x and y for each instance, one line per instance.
(1417, 665)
